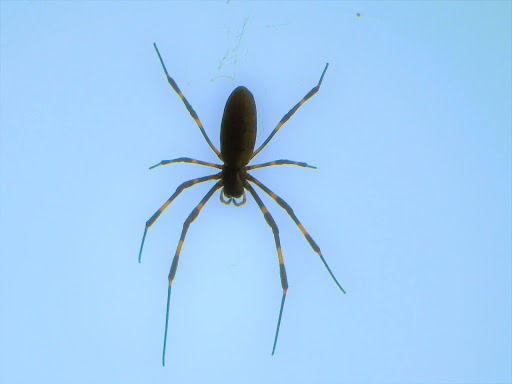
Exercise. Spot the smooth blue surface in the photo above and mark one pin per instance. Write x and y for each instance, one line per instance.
(410, 204)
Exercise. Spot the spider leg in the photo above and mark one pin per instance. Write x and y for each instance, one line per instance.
(275, 230)
(289, 210)
(187, 105)
(186, 184)
(186, 160)
(291, 112)
(279, 162)
(193, 215)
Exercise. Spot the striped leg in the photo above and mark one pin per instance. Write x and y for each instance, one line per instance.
(180, 189)
(291, 112)
(187, 105)
(289, 210)
(275, 230)
(193, 215)
(280, 162)
(186, 160)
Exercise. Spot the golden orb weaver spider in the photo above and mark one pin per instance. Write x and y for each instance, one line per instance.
(237, 140)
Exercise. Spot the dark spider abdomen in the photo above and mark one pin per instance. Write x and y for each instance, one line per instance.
(238, 129)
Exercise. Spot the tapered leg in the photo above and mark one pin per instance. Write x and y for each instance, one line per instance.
(275, 230)
(291, 112)
(180, 189)
(289, 210)
(187, 105)
(186, 160)
(280, 162)
(193, 215)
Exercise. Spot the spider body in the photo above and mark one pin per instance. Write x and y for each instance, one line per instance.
(237, 138)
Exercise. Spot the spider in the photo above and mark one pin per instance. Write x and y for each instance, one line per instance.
(237, 140)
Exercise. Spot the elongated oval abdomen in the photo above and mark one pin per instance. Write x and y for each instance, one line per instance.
(238, 129)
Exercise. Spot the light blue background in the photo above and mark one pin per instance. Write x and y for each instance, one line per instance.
(411, 202)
